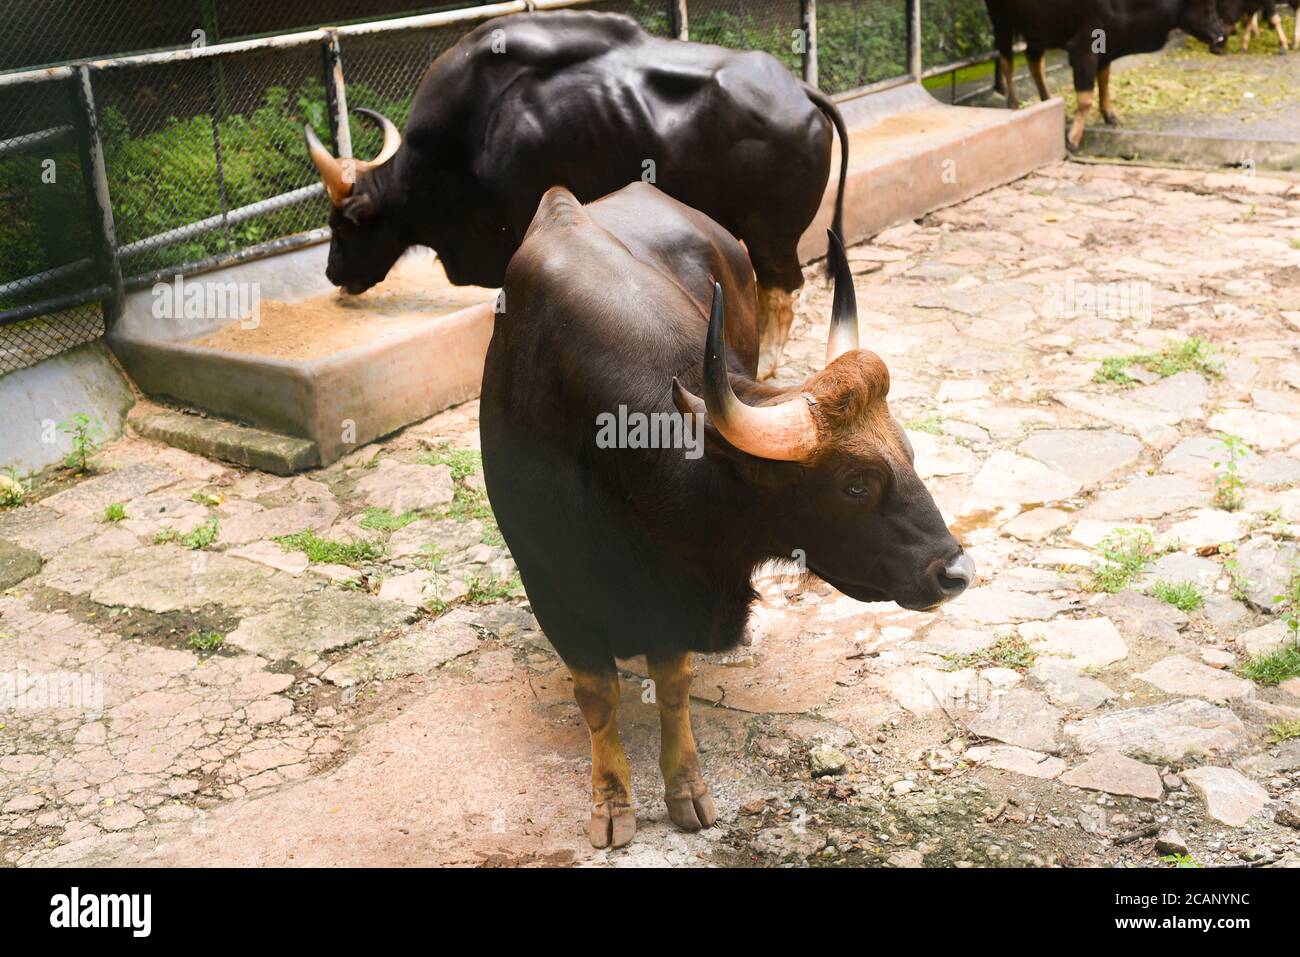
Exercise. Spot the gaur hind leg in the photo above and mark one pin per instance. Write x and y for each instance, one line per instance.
(689, 805)
(1007, 70)
(613, 818)
(1281, 34)
(775, 316)
(1103, 88)
(1035, 58)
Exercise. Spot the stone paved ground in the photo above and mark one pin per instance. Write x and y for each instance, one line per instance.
(399, 706)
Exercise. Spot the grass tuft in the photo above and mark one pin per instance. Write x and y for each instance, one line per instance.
(202, 536)
(1009, 651)
(383, 520)
(462, 462)
(205, 640)
(929, 422)
(484, 591)
(1284, 730)
(324, 551)
(1188, 355)
(1274, 667)
(1127, 553)
(115, 512)
(1185, 596)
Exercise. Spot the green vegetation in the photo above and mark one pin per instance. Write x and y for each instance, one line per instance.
(484, 591)
(1289, 602)
(383, 520)
(462, 462)
(12, 490)
(1179, 860)
(1274, 667)
(115, 512)
(87, 436)
(1009, 651)
(930, 422)
(1284, 730)
(1188, 355)
(324, 551)
(262, 156)
(1127, 553)
(205, 640)
(202, 536)
(205, 498)
(1184, 596)
(1229, 487)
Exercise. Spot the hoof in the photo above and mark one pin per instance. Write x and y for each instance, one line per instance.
(612, 825)
(1111, 119)
(692, 813)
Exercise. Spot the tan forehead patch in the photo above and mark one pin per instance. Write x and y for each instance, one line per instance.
(851, 406)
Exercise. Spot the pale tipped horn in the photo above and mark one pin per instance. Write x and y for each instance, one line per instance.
(844, 313)
(337, 182)
(784, 432)
(392, 139)
(340, 175)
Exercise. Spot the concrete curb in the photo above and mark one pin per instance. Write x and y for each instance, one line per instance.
(1187, 150)
(251, 448)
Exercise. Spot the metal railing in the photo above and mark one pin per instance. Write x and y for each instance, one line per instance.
(191, 159)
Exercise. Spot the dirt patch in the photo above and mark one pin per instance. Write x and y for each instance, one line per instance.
(169, 630)
(416, 291)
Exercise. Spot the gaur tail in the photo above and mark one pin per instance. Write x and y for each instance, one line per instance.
(827, 106)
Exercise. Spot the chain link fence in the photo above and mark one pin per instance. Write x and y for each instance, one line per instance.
(46, 242)
(202, 155)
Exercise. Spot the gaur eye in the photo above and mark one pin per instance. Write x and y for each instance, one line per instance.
(858, 490)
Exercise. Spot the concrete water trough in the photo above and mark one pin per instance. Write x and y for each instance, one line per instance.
(318, 375)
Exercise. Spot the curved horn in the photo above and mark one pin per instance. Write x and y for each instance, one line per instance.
(392, 139)
(844, 313)
(785, 432)
(337, 182)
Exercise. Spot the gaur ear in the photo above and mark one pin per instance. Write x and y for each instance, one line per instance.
(358, 209)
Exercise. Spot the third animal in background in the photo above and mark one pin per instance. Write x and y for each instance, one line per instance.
(1095, 33)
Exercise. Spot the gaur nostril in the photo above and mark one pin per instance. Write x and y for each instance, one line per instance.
(958, 575)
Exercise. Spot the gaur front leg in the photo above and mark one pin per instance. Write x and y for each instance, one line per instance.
(1251, 25)
(775, 316)
(1085, 76)
(687, 797)
(1007, 67)
(613, 819)
(1103, 87)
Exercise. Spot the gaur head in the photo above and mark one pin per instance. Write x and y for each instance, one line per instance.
(836, 468)
(1200, 18)
(368, 236)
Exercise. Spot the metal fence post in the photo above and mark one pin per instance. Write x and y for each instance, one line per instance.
(914, 66)
(808, 21)
(336, 96)
(678, 20)
(94, 175)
